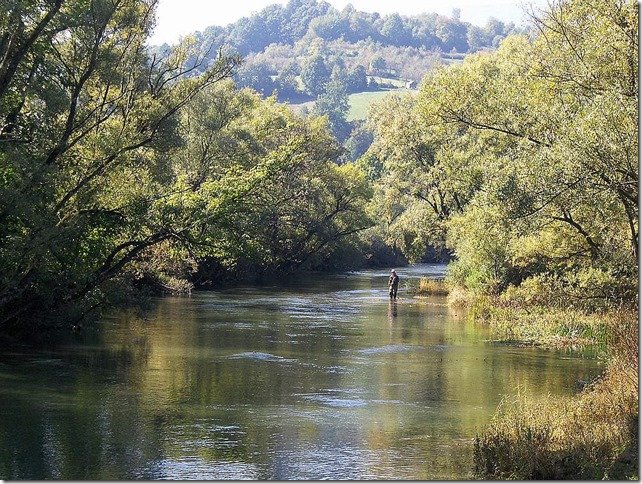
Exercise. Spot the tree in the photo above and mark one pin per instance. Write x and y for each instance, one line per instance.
(256, 75)
(85, 116)
(331, 26)
(476, 38)
(378, 65)
(333, 103)
(394, 30)
(358, 142)
(314, 75)
(286, 81)
(299, 14)
(254, 33)
(357, 80)
(547, 114)
(452, 34)
(420, 184)
(291, 205)
(522, 160)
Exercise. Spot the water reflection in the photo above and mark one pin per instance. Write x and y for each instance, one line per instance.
(323, 378)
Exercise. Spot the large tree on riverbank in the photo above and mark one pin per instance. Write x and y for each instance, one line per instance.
(84, 116)
(102, 165)
(544, 133)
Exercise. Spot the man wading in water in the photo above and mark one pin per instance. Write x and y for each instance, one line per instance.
(393, 284)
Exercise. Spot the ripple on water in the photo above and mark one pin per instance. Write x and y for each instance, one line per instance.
(351, 391)
(336, 397)
(438, 347)
(258, 356)
(345, 460)
(332, 369)
(336, 402)
(195, 468)
(387, 349)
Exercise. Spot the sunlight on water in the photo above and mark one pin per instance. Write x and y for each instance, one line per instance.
(320, 378)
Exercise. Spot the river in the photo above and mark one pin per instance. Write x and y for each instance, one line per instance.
(321, 377)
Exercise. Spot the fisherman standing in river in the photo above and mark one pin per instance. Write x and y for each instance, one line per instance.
(393, 284)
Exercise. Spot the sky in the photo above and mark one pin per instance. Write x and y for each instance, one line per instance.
(176, 18)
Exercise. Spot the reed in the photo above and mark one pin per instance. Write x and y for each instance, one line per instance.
(593, 435)
(431, 287)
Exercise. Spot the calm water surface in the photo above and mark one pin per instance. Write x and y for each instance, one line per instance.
(319, 378)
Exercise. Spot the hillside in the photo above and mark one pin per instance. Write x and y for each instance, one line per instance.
(278, 41)
(307, 50)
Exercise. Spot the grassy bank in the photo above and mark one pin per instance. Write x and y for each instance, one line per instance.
(431, 287)
(544, 326)
(592, 435)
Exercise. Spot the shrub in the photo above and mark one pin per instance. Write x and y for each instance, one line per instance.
(590, 436)
(587, 288)
(432, 287)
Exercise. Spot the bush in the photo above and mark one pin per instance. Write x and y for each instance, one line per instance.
(591, 436)
(588, 288)
(545, 326)
(431, 287)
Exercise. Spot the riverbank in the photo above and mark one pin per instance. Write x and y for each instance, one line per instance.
(545, 326)
(592, 435)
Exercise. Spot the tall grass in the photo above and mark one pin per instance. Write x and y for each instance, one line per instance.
(590, 436)
(537, 325)
(548, 327)
(431, 287)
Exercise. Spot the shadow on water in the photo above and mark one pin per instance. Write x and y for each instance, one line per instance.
(321, 377)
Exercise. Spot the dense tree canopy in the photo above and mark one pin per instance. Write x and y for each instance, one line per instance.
(304, 29)
(524, 160)
(112, 160)
(85, 116)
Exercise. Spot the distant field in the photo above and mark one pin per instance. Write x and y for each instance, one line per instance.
(298, 108)
(359, 102)
(389, 80)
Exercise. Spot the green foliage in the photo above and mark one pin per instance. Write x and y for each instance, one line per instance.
(480, 236)
(85, 117)
(257, 75)
(405, 47)
(259, 187)
(333, 103)
(590, 436)
(117, 166)
(358, 142)
(525, 157)
(421, 183)
(587, 288)
(315, 75)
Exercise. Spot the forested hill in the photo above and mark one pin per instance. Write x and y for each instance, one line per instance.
(277, 41)
(289, 24)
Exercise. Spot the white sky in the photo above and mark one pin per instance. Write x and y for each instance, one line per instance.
(176, 18)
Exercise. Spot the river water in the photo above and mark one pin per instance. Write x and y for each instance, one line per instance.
(320, 377)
